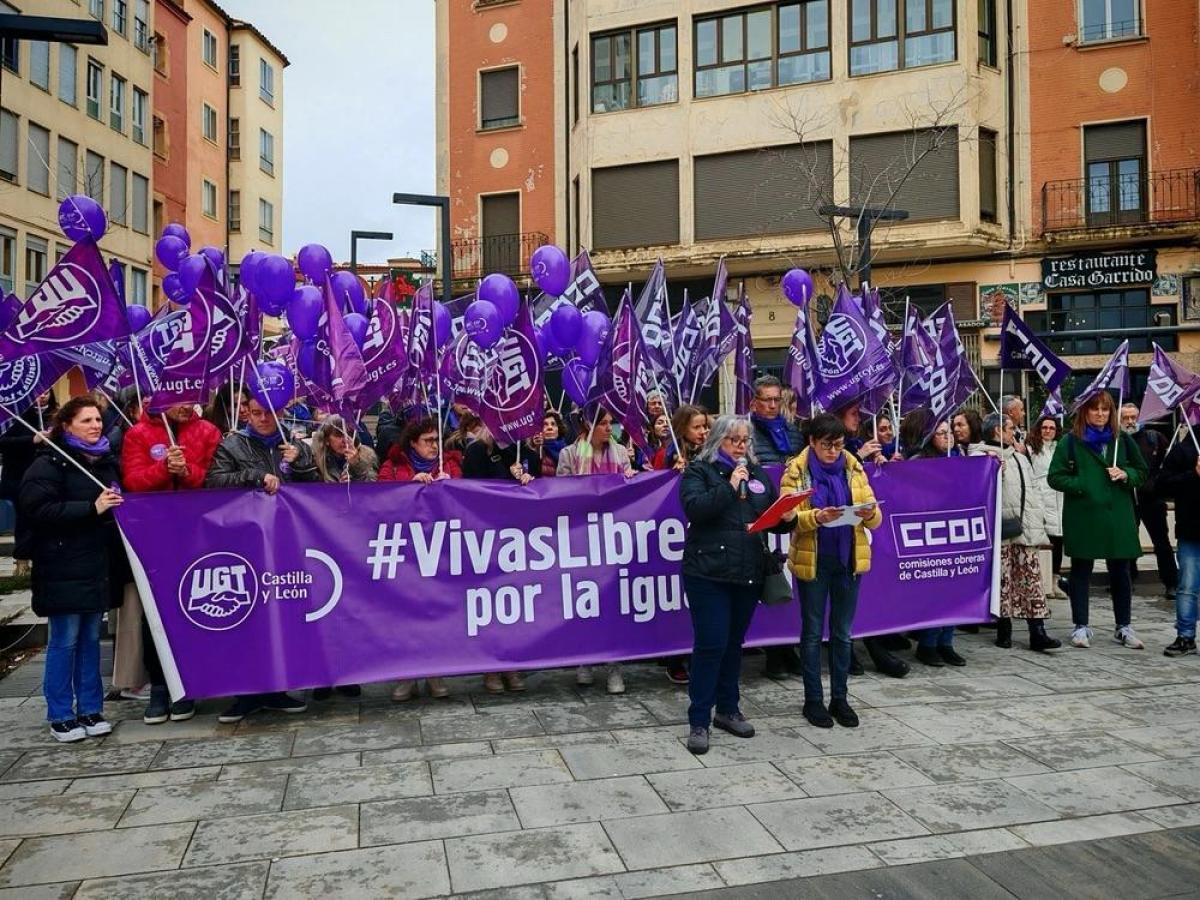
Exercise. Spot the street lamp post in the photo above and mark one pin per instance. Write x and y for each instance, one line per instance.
(443, 204)
(356, 236)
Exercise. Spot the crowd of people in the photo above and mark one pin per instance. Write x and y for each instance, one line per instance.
(1079, 494)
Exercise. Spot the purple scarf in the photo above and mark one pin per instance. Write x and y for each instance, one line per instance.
(420, 463)
(777, 429)
(270, 441)
(831, 488)
(98, 449)
(1097, 438)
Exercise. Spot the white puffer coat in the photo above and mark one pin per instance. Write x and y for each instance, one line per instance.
(1052, 500)
(1017, 469)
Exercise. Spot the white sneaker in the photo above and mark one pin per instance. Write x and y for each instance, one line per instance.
(1127, 637)
(1081, 636)
(142, 693)
(616, 684)
(67, 732)
(583, 676)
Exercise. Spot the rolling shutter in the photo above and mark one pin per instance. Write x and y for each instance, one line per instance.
(900, 171)
(635, 206)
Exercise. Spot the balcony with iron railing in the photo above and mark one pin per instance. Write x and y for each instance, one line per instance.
(507, 254)
(1128, 201)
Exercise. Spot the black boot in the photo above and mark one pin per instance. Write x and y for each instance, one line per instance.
(1038, 639)
(885, 663)
(856, 666)
(930, 656)
(1004, 633)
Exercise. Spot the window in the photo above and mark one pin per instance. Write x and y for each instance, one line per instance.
(266, 82)
(120, 16)
(95, 88)
(96, 8)
(209, 48)
(208, 198)
(160, 216)
(116, 100)
(499, 101)
(93, 174)
(141, 103)
(987, 175)
(141, 25)
(1107, 20)
(35, 263)
(575, 83)
(635, 206)
(208, 122)
(900, 34)
(9, 143)
(235, 211)
(987, 32)
(762, 48)
(1107, 311)
(656, 72)
(160, 137)
(235, 65)
(500, 219)
(159, 50)
(1115, 157)
(911, 170)
(266, 222)
(140, 204)
(266, 151)
(68, 60)
(235, 138)
(8, 260)
(118, 202)
(68, 168)
(39, 64)
(138, 281)
(772, 190)
(10, 48)
(37, 160)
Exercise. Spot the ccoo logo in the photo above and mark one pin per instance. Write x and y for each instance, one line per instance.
(940, 532)
(218, 591)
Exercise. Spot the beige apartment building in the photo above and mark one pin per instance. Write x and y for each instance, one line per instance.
(76, 120)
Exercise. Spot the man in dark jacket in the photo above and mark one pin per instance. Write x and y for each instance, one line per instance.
(18, 446)
(257, 457)
(1180, 480)
(1151, 506)
(776, 440)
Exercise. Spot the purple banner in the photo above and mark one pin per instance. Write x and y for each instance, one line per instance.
(317, 585)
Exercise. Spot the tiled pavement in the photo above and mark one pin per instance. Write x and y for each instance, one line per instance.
(560, 792)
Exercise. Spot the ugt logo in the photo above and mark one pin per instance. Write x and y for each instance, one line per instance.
(18, 379)
(843, 344)
(218, 591)
(63, 309)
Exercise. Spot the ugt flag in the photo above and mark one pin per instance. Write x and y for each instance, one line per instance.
(512, 395)
(851, 361)
(624, 378)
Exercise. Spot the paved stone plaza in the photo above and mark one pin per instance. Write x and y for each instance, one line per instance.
(563, 792)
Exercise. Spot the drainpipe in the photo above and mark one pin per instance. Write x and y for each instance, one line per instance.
(568, 113)
(1010, 73)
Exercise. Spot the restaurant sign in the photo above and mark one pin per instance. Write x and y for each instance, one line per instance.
(1081, 271)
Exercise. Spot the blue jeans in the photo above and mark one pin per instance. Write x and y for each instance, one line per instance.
(721, 613)
(1189, 587)
(836, 584)
(72, 683)
(937, 637)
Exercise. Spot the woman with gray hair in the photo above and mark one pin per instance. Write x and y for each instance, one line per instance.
(723, 490)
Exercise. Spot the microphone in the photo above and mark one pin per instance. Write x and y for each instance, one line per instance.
(742, 461)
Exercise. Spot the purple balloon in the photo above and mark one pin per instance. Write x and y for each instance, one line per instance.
(357, 324)
(214, 256)
(174, 290)
(443, 326)
(79, 217)
(348, 291)
(170, 251)
(482, 323)
(274, 280)
(248, 270)
(314, 262)
(500, 291)
(191, 270)
(304, 312)
(565, 324)
(138, 317)
(307, 360)
(592, 336)
(177, 230)
(272, 385)
(577, 380)
(797, 286)
(550, 269)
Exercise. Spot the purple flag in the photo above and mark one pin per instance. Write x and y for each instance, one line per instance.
(184, 377)
(798, 368)
(149, 349)
(946, 381)
(584, 292)
(385, 354)
(624, 378)
(75, 304)
(743, 356)
(1054, 405)
(422, 349)
(717, 339)
(653, 311)
(464, 373)
(25, 378)
(116, 271)
(513, 388)
(347, 376)
(8, 310)
(1114, 375)
(851, 362)
(227, 333)
(1168, 386)
(1020, 348)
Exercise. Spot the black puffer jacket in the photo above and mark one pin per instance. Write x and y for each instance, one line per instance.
(79, 562)
(717, 545)
(765, 449)
(243, 462)
(1179, 481)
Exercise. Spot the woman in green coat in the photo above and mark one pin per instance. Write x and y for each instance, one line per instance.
(1098, 519)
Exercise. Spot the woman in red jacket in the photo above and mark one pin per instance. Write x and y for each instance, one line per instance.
(153, 459)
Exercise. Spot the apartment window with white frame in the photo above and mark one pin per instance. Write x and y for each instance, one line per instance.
(8, 259)
(96, 8)
(235, 65)
(1109, 20)
(235, 211)
(116, 111)
(141, 103)
(138, 282)
(210, 48)
(120, 16)
(95, 88)
(235, 138)
(208, 123)
(266, 82)
(141, 25)
(9, 145)
(208, 198)
(37, 160)
(266, 151)
(140, 204)
(266, 222)
(68, 73)
(39, 64)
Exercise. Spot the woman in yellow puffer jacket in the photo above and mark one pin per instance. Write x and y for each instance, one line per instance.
(828, 561)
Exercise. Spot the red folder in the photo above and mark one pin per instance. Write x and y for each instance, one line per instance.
(777, 510)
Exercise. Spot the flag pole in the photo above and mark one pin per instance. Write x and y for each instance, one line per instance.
(1117, 424)
(111, 402)
(137, 387)
(437, 380)
(57, 449)
(167, 425)
(898, 408)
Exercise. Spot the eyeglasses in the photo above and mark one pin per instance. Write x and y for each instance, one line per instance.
(769, 401)
(739, 440)
(829, 446)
